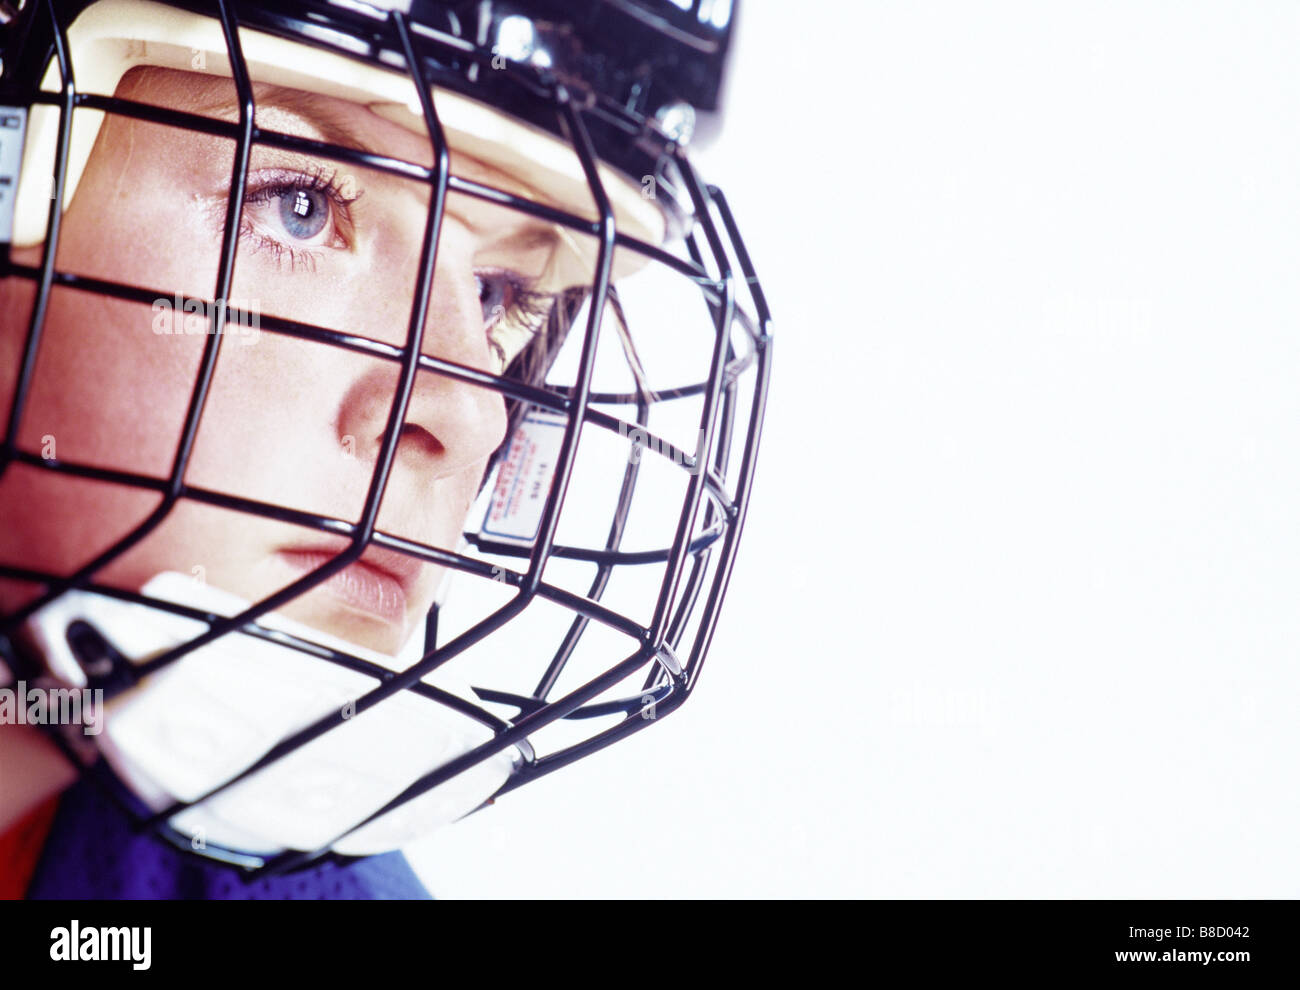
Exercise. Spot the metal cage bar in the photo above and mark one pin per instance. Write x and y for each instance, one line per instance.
(697, 562)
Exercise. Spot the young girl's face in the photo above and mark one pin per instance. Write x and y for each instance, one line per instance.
(289, 422)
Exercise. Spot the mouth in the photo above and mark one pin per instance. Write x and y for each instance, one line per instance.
(380, 583)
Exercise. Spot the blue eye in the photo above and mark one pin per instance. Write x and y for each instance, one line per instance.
(299, 216)
(304, 212)
(493, 295)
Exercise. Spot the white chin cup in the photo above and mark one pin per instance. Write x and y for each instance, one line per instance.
(202, 719)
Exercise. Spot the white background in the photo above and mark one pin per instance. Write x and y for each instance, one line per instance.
(1016, 614)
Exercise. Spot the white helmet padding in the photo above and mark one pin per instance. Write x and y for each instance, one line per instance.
(202, 719)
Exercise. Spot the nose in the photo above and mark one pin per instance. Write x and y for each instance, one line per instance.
(451, 426)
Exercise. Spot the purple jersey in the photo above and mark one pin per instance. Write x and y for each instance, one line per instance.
(93, 854)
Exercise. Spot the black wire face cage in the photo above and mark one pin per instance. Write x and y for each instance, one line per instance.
(574, 635)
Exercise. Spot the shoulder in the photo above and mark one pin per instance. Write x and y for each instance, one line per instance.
(93, 853)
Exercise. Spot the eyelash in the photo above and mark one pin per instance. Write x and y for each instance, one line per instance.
(528, 311)
(315, 179)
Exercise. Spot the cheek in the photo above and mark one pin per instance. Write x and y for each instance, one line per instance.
(57, 524)
(111, 386)
(16, 299)
(108, 390)
(269, 429)
(138, 216)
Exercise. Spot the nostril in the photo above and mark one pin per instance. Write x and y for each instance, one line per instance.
(424, 441)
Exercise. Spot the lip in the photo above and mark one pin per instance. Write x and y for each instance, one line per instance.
(380, 583)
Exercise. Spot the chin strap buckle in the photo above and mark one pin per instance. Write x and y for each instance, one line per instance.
(105, 668)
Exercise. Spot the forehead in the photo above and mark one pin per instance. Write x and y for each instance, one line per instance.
(329, 119)
(104, 44)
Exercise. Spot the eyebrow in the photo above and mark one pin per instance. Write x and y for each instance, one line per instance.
(315, 113)
(308, 109)
(535, 235)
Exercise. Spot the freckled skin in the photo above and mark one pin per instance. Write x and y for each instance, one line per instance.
(287, 421)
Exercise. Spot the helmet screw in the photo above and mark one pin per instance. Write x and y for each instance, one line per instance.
(516, 38)
(677, 121)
